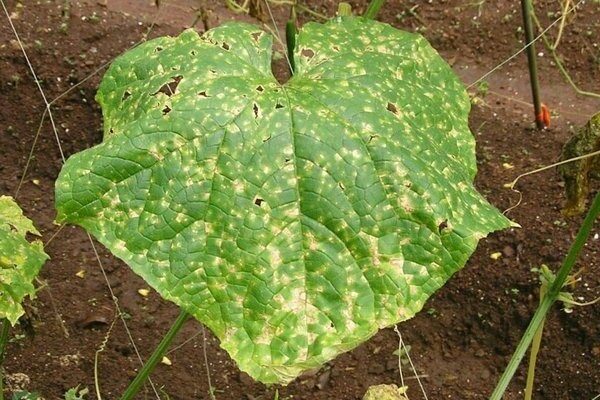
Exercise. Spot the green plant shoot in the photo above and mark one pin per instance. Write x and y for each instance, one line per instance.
(295, 220)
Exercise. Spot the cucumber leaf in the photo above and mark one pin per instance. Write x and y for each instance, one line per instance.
(295, 220)
(20, 260)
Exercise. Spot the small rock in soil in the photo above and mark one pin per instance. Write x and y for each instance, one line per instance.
(309, 383)
(336, 371)
(124, 349)
(391, 365)
(485, 374)
(245, 379)
(508, 251)
(376, 368)
(93, 321)
(323, 380)
(450, 379)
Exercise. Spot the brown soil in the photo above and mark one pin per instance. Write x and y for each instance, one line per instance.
(462, 340)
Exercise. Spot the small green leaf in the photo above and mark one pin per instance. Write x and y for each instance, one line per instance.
(297, 219)
(20, 260)
(77, 394)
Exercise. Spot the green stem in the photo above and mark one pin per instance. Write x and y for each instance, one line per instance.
(373, 9)
(535, 348)
(549, 299)
(290, 37)
(344, 9)
(4, 338)
(158, 354)
(3, 341)
(533, 75)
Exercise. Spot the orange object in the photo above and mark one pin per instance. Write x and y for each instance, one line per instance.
(544, 116)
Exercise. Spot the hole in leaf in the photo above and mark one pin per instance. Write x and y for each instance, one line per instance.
(443, 225)
(225, 46)
(336, 48)
(258, 201)
(341, 185)
(371, 137)
(193, 53)
(126, 95)
(256, 35)
(259, 88)
(278, 106)
(166, 110)
(212, 71)
(111, 130)
(391, 107)
(203, 94)
(267, 139)
(170, 87)
(158, 48)
(255, 109)
(308, 53)
(287, 160)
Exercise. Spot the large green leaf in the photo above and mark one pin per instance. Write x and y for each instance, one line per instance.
(20, 260)
(294, 220)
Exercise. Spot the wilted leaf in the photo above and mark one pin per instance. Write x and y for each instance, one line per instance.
(20, 260)
(385, 392)
(577, 174)
(294, 220)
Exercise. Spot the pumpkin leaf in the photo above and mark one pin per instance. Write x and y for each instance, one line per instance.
(20, 260)
(295, 220)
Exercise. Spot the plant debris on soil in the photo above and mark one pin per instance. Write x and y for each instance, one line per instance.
(465, 335)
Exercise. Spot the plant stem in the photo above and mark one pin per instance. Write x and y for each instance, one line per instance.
(533, 76)
(4, 338)
(290, 37)
(3, 341)
(158, 354)
(563, 21)
(535, 348)
(344, 9)
(549, 299)
(373, 9)
(560, 65)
